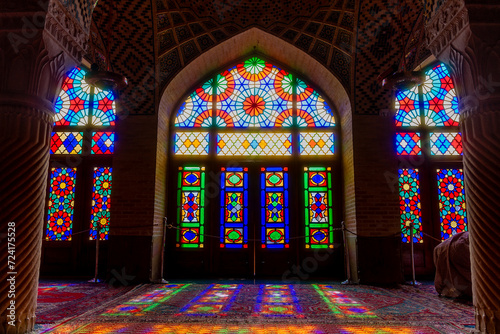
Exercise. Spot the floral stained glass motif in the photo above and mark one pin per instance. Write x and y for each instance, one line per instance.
(234, 208)
(254, 144)
(196, 111)
(103, 142)
(254, 94)
(407, 107)
(104, 108)
(66, 143)
(446, 143)
(275, 229)
(408, 143)
(101, 201)
(312, 109)
(61, 204)
(409, 204)
(191, 207)
(440, 101)
(318, 208)
(191, 143)
(316, 143)
(73, 103)
(451, 202)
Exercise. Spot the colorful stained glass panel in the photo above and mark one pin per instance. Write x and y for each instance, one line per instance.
(254, 144)
(196, 111)
(407, 107)
(101, 201)
(440, 101)
(275, 230)
(451, 202)
(73, 103)
(191, 207)
(312, 109)
(409, 204)
(191, 143)
(316, 143)
(446, 143)
(61, 204)
(103, 112)
(234, 208)
(66, 143)
(408, 143)
(103, 142)
(318, 208)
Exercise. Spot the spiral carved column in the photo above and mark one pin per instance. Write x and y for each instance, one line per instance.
(25, 156)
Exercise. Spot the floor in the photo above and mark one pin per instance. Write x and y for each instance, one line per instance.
(247, 307)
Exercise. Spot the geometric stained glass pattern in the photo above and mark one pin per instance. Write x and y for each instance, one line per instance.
(312, 109)
(408, 143)
(196, 111)
(103, 108)
(451, 202)
(407, 107)
(191, 207)
(446, 143)
(234, 208)
(275, 230)
(440, 102)
(254, 144)
(254, 94)
(101, 198)
(61, 204)
(316, 143)
(73, 103)
(66, 143)
(409, 204)
(103, 142)
(191, 143)
(318, 210)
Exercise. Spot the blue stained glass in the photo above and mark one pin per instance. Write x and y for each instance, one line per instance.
(234, 208)
(274, 207)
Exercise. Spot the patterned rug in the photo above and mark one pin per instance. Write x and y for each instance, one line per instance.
(270, 308)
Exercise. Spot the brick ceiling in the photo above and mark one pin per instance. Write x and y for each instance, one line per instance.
(185, 29)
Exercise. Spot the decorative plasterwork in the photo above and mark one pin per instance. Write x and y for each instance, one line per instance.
(66, 30)
(447, 24)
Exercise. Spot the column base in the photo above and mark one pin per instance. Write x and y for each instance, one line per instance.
(23, 323)
(487, 321)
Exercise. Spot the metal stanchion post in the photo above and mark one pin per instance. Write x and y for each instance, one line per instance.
(346, 256)
(95, 279)
(412, 252)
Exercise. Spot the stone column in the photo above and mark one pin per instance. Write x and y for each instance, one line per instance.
(467, 36)
(35, 52)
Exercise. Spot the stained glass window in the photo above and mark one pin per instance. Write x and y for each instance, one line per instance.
(103, 142)
(188, 143)
(191, 207)
(73, 103)
(61, 204)
(446, 143)
(407, 107)
(408, 143)
(66, 143)
(318, 207)
(440, 102)
(317, 143)
(275, 230)
(256, 144)
(409, 204)
(234, 208)
(101, 196)
(451, 202)
(257, 94)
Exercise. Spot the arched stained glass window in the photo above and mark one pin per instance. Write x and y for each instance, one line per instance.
(83, 127)
(427, 118)
(273, 126)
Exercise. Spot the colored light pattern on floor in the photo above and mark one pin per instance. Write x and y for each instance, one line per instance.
(66, 143)
(341, 304)
(277, 301)
(191, 143)
(99, 328)
(191, 207)
(215, 300)
(141, 304)
(254, 144)
(408, 143)
(446, 143)
(103, 143)
(316, 143)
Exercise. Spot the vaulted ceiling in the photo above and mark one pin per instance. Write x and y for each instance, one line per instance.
(355, 39)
